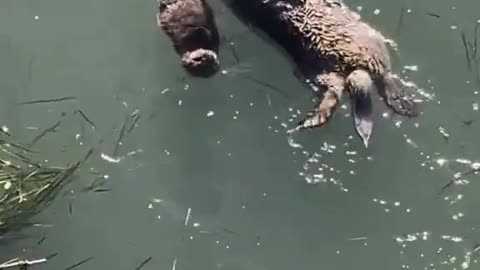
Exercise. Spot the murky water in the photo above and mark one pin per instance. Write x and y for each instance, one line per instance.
(206, 177)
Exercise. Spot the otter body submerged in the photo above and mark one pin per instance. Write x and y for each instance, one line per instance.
(190, 24)
(336, 52)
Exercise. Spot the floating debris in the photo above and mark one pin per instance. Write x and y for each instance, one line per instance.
(27, 189)
(434, 15)
(457, 177)
(444, 133)
(144, 263)
(51, 129)
(187, 217)
(133, 118)
(99, 190)
(97, 182)
(79, 263)
(358, 238)
(293, 144)
(467, 51)
(110, 158)
(41, 240)
(21, 264)
(47, 100)
(82, 114)
(165, 91)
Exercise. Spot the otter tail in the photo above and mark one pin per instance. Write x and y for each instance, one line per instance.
(362, 114)
(360, 86)
(398, 94)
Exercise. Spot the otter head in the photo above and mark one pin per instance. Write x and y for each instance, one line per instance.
(201, 62)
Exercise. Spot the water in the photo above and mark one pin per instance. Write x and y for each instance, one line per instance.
(208, 178)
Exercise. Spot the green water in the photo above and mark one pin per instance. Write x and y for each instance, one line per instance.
(208, 178)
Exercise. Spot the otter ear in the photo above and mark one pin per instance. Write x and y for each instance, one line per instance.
(161, 5)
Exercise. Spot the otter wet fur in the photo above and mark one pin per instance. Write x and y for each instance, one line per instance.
(190, 25)
(336, 52)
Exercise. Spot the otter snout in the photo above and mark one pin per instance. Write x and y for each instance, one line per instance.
(201, 62)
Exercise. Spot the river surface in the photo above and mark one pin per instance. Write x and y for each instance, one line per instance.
(207, 177)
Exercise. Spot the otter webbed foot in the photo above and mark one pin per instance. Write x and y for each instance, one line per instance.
(360, 85)
(332, 86)
(398, 95)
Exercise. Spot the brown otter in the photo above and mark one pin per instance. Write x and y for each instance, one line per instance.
(191, 26)
(336, 52)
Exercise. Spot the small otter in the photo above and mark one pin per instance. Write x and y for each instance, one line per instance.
(191, 26)
(336, 52)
